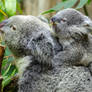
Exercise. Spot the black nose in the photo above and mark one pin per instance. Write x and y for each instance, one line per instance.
(53, 19)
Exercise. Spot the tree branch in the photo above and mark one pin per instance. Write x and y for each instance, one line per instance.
(76, 4)
(85, 10)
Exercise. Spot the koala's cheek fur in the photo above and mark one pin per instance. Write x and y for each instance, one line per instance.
(12, 42)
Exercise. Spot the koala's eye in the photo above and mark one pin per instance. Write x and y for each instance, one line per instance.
(64, 19)
(13, 27)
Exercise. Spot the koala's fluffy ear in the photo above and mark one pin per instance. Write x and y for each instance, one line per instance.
(88, 25)
(89, 29)
(79, 34)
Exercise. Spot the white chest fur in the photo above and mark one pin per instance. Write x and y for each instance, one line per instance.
(22, 63)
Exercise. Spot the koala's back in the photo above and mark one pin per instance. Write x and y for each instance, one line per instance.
(59, 79)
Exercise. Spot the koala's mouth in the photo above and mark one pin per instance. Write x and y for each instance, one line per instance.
(55, 28)
(1, 30)
(1, 25)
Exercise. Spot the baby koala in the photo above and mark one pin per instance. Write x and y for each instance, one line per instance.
(73, 31)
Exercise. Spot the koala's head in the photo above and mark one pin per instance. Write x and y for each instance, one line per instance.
(18, 30)
(69, 17)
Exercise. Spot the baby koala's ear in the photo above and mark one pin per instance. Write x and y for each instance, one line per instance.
(88, 25)
(79, 34)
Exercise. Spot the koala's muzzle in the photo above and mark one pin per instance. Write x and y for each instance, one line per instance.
(55, 21)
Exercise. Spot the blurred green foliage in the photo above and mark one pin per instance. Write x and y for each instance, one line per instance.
(11, 7)
(7, 9)
(67, 4)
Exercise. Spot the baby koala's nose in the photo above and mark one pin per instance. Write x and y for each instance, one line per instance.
(53, 19)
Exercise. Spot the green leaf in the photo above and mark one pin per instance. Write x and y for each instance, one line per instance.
(19, 8)
(89, 1)
(1, 19)
(70, 3)
(82, 3)
(65, 4)
(63, 0)
(10, 6)
(1, 5)
(4, 63)
(49, 11)
(7, 52)
(59, 6)
(7, 70)
(7, 79)
(11, 59)
(12, 68)
(3, 1)
(3, 12)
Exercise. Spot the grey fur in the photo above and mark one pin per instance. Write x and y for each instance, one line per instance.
(72, 29)
(31, 42)
(31, 37)
(59, 78)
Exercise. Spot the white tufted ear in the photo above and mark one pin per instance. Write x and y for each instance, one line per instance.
(87, 23)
